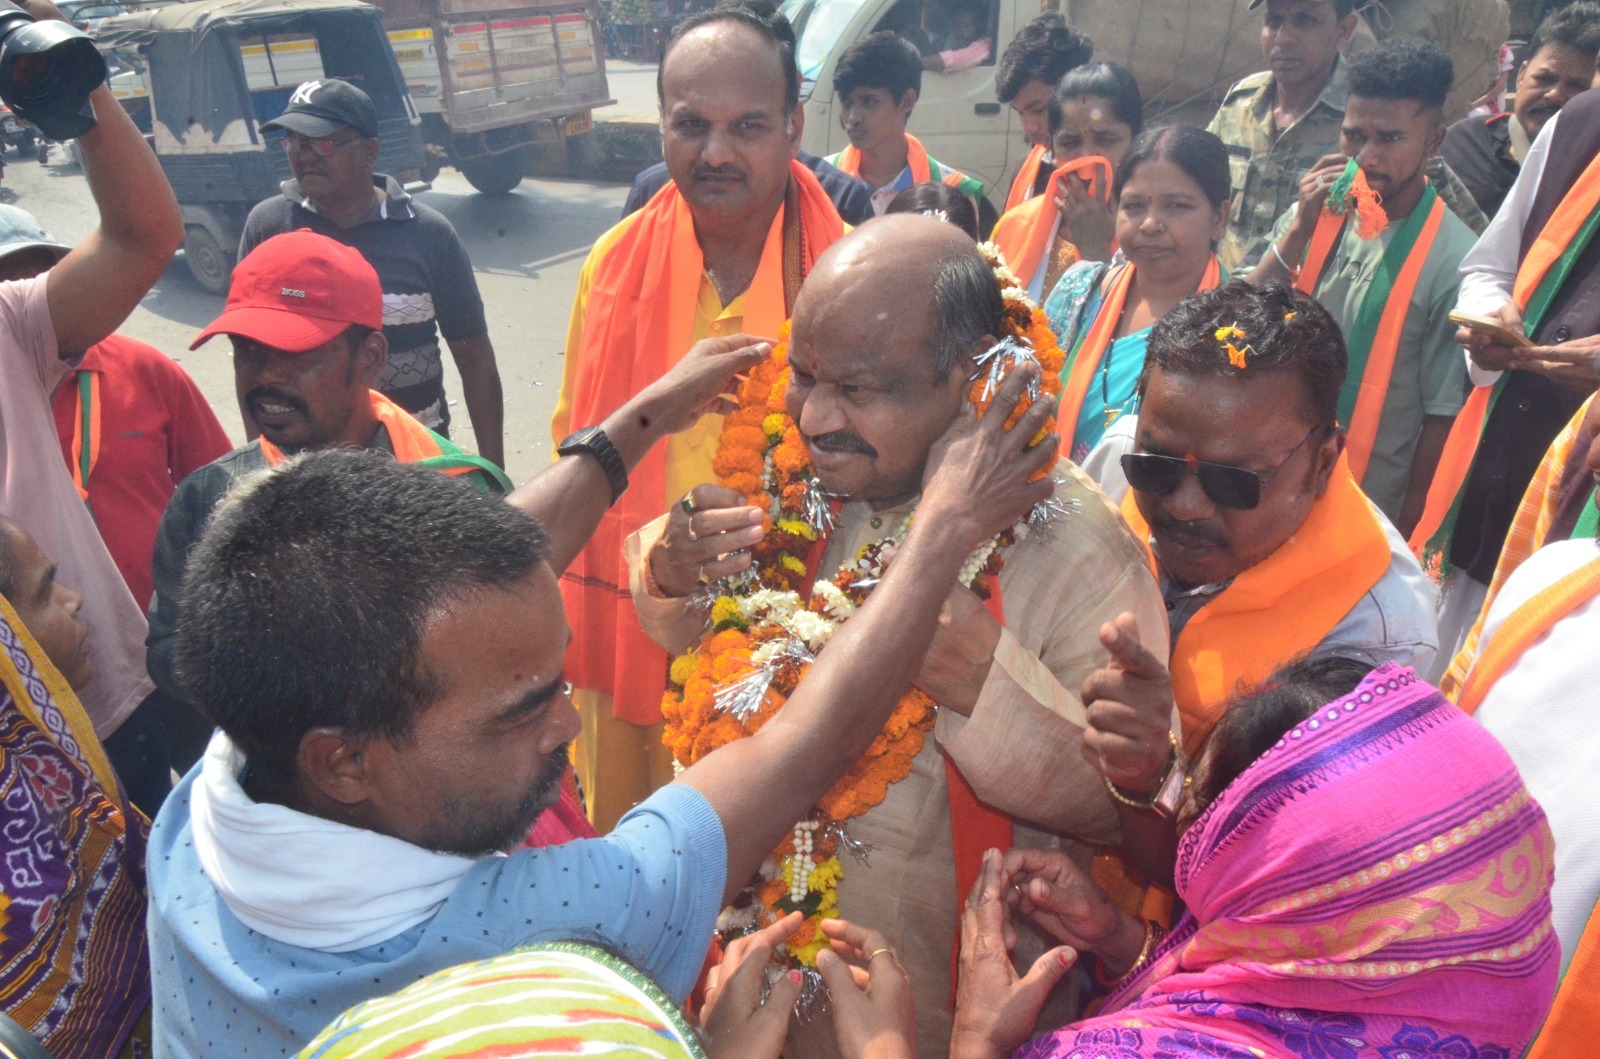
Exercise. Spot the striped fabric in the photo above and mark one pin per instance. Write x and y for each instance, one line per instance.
(557, 999)
(1530, 529)
(74, 962)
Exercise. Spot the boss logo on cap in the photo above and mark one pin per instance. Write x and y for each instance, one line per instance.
(290, 292)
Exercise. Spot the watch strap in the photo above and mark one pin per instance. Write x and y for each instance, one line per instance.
(593, 440)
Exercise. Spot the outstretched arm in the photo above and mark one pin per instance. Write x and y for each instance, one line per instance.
(96, 286)
(979, 485)
(569, 497)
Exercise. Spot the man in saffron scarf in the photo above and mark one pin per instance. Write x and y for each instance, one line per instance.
(1537, 271)
(722, 250)
(877, 83)
(1266, 547)
(1391, 291)
(874, 381)
(305, 315)
(1365, 874)
(74, 960)
(1035, 61)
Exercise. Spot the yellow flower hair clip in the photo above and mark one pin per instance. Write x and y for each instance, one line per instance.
(1236, 354)
(1290, 315)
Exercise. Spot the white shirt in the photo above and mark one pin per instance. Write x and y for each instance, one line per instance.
(1489, 270)
(1542, 711)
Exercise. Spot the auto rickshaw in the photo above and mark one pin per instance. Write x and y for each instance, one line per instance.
(215, 71)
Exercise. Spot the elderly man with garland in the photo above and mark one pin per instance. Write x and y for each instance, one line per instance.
(722, 250)
(864, 389)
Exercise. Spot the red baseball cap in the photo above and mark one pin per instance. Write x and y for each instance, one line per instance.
(297, 291)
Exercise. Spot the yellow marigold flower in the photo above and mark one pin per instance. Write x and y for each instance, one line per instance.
(826, 875)
(725, 611)
(773, 425)
(807, 954)
(682, 669)
(1232, 331)
(790, 562)
(798, 528)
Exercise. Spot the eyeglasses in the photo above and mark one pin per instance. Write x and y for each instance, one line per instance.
(294, 143)
(1224, 484)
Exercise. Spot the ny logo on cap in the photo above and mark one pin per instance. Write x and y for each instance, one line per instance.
(302, 95)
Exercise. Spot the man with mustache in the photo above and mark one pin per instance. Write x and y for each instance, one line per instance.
(1488, 152)
(305, 316)
(330, 134)
(877, 83)
(1391, 293)
(1279, 122)
(873, 383)
(722, 249)
(1266, 548)
(382, 650)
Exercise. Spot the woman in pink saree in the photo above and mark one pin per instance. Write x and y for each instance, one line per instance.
(1375, 885)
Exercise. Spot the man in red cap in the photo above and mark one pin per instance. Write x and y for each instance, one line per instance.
(305, 315)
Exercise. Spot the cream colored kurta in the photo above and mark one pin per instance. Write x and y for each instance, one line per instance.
(1020, 749)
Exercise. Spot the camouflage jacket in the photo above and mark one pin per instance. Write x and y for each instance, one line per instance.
(1266, 172)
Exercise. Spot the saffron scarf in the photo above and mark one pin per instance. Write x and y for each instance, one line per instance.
(1375, 885)
(86, 432)
(1540, 277)
(1277, 610)
(1373, 337)
(917, 160)
(1023, 234)
(74, 959)
(642, 302)
(1524, 626)
(414, 443)
(560, 998)
(1027, 177)
(1560, 480)
(1090, 348)
(1574, 1021)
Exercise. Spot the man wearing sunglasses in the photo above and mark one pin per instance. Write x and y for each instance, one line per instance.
(330, 133)
(1266, 548)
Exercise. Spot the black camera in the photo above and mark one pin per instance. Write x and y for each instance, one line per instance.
(47, 70)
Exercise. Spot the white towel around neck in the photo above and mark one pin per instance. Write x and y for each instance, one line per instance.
(307, 881)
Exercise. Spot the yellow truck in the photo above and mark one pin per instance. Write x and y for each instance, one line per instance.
(494, 80)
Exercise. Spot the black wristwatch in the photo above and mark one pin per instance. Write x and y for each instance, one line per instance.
(593, 441)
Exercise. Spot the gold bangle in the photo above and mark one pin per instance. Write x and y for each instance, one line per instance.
(1148, 801)
(1153, 934)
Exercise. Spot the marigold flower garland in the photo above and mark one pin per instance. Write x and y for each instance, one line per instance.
(767, 627)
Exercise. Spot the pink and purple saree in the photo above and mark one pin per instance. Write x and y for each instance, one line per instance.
(1375, 886)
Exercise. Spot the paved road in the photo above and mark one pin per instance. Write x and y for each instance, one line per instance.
(633, 86)
(527, 248)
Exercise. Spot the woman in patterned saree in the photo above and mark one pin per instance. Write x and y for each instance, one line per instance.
(74, 966)
(1366, 877)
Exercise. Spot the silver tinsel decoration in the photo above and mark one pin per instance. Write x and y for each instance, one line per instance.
(813, 999)
(859, 851)
(1042, 517)
(996, 362)
(742, 699)
(815, 507)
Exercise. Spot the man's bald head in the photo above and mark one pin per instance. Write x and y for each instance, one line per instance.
(885, 331)
(762, 19)
(918, 269)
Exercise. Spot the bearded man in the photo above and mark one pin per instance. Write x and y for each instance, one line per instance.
(874, 382)
(720, 251)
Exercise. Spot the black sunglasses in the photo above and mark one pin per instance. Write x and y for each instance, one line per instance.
(1225, 485)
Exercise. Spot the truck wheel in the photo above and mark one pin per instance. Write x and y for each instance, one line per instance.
(211, 266)
(25, 145)
(496, 174)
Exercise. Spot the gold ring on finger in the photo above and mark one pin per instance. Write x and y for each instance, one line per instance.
(875, 953)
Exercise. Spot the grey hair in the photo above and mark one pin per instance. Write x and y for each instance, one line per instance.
(967, 307)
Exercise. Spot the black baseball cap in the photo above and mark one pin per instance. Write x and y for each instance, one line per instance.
(322, 108)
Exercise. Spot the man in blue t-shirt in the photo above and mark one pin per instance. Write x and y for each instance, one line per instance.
(382, 650)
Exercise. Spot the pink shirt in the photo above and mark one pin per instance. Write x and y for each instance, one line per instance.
(36, 492)
(957, 59)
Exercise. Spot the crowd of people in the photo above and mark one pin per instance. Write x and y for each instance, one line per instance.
(1148, 633)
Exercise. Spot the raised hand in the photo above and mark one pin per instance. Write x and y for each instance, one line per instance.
(736, 1023)
(873, 1017)
(708, 536)
(995, 1007)
(1087, 216)
(977, 478)
(1314, 187)
(1129, 702)
(698, 384)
